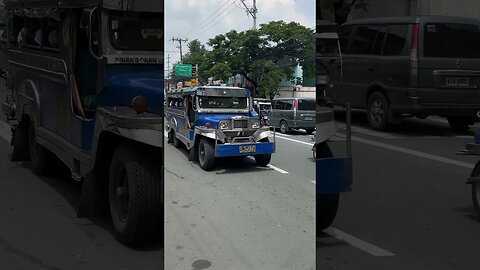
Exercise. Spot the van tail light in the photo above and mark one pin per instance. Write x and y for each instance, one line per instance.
(415, 41)
(295, 104)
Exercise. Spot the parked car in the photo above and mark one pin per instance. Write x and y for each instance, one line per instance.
(293, 113)
(419, 66)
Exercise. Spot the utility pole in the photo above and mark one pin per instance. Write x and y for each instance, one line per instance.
(252, 11)
(168, 67)
(180, 41)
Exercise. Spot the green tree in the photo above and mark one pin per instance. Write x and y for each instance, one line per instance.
(269, 76)
(278, 47)
(221, 71)
(196, 55)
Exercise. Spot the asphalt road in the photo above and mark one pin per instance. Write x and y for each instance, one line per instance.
(240, 216)
(410, 207)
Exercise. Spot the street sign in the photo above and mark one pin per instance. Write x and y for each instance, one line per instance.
(183, 70)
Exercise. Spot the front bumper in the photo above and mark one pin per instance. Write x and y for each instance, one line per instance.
(233, 149)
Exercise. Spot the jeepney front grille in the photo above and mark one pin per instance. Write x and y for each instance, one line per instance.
(240, 123)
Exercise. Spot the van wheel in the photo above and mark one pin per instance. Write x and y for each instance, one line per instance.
(284, 127)
(460, 124)
(40, 157)
(134, 190)
(378, 111)
(206, 154)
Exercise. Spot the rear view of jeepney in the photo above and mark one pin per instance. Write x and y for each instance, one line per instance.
(224, 125)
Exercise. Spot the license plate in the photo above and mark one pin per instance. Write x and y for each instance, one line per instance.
(457, 81)
(248, 149)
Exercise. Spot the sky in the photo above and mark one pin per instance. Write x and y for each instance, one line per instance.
(204, 19)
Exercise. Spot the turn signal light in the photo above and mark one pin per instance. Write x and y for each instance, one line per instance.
(208, 125)
(140, 104)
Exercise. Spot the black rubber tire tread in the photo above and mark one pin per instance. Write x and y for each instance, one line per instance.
(21, 152)
(145, 214)
(475, 199)
(263, 160)
(170, 136)
(209, 160)
(280, 127)
(41, 158)
(385, 124)
(327, 205)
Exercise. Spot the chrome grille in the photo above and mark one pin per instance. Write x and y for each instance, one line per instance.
(240, 123)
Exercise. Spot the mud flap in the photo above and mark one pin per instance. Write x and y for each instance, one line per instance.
(94, 197)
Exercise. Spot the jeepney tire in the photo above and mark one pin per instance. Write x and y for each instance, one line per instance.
(284, 127)
(206, 154)
(309, 131)
(460, 124)
(41, 158)
(21, 152)
(263, 160)
(378, 111)
(327, 206)
(144, 218)
(476, 190)
(170, 136)
(176, 141)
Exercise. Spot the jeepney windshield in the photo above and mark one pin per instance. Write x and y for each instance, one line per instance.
(136, 31)
(223, 102)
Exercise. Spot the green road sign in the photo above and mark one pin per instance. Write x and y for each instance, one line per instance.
(183, 70)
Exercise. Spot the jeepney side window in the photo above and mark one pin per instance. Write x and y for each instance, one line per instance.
(31, 35)
(15, 34)
(51, 34)
(3, 28)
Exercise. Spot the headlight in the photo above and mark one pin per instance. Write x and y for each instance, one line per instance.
(255, 124)
(224, 125)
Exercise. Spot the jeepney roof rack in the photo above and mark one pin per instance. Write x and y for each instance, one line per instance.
(127, 5)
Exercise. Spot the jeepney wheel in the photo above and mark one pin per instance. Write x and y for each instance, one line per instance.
(263, 160)
(170, 136)
(134, 189)
(40, 157)
(476, 190)
(378, 111)
(284, 127)
(206, 154)
(309, 131)
(327, 206)
(176, 141)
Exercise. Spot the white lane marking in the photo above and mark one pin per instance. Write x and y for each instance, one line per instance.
(373, 133)
(5, 131)
(273, 167)
(293, 140)
(415, 153)
(358, 243)
(464, 137)
(277, 169)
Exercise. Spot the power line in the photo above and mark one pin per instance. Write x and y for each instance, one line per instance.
(230, 11)
(233, 9)
(211, 15)
(252, 11)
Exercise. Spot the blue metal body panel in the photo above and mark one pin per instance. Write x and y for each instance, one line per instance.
(233, 150)
(124, 82)
(333, 175)
(87, 135)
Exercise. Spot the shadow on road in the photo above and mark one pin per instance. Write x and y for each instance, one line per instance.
(409, 126)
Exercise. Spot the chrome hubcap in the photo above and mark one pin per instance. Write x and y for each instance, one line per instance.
(377, 112)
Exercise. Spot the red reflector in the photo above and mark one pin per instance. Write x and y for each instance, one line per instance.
(294, 104)
(415, 40)
(140, 104)
(208, 125)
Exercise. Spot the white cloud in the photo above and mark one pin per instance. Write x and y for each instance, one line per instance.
(183, 16)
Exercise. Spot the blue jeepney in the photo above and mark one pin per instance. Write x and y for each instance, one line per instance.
(215, 122)
(333, 172)
(86, 82)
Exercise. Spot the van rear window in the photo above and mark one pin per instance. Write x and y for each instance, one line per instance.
(451, 40)
(306, 105)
